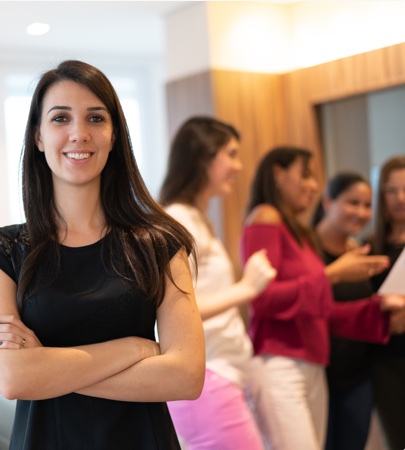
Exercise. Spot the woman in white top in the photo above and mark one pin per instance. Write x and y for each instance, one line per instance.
(203, 163)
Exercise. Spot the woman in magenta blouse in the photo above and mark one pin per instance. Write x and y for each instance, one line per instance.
(292, 318)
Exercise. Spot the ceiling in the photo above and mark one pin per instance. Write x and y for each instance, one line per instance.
(112, 27)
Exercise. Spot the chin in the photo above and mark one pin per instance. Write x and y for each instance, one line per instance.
(354, 231)
(226, 190)
(399, 218)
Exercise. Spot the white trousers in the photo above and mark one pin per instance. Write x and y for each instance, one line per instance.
(289, 399)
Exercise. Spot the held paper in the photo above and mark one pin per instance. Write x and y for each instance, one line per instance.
(395, 281)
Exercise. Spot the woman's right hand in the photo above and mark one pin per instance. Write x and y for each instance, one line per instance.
(258, 272)
(14, 335)
(397, 321)
(356, 265)
(148, 348)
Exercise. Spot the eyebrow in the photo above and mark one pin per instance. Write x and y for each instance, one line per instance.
(68, 108)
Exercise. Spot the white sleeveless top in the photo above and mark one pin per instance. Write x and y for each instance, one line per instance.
(228, 347)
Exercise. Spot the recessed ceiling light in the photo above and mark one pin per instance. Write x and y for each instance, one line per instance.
(36, 29)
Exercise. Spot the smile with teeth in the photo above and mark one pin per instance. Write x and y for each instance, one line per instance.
(78, 155)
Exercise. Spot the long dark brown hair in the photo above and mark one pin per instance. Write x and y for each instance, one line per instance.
(264, 189)
(194, 146)
(139, 235)
(382, 221)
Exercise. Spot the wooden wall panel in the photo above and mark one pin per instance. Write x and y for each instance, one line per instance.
(253, 103)
(359, 74)
(186, 97)
(273, 109)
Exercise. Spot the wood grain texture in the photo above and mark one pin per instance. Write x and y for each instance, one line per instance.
(188, 97)
(274, 109)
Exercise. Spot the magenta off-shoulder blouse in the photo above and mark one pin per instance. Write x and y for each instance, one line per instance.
(296, 313)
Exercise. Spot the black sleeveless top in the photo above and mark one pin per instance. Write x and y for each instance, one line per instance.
(87, 303)
(350, 360)
(396, 345)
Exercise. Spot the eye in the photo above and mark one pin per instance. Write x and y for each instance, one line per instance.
(59, 118)
(96, 118)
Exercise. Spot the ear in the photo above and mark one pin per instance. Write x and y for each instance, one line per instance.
(278, 173)
(38, 140)
(326, 201)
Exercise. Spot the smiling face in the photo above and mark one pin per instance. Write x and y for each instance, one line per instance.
(297, 185)
(223, 168)
(394, 196)
(351, 210)
(75, 134)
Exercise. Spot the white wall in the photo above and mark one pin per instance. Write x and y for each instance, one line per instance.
(149, 76)
(276, 37)
(328, 30)
(250, 36)
(386, 117)
(187, 45)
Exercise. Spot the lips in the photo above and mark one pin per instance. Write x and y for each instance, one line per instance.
(78, 156)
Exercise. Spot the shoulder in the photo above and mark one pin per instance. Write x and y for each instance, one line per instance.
(264, 214)
(12, 235)
(179, 209)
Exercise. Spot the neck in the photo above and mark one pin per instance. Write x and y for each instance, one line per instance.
(331, 239)
(83, 219)
(202, 201)
(397, 234)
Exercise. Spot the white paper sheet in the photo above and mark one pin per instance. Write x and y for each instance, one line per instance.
(395, 281)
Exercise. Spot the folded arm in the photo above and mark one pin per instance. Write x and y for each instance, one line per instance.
(178, 371)
(54, 371)
(101, 369)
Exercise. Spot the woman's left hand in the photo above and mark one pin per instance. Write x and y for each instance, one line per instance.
(15, 335)
(392, 302)
(397, 322)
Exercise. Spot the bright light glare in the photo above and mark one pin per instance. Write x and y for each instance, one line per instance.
(16, 110)
(37, 29)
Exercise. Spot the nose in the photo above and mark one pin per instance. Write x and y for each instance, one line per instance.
(79, 132)
(237, 165)
(401, 195)
(314, 184)
(364, 212)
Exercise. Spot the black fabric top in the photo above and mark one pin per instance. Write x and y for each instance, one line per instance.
(396, 344)
(349, 360)
(86, 304)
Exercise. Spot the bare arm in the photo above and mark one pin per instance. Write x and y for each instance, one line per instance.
(55, 371)
(178, 372)
(356, 265)
(257, 274)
